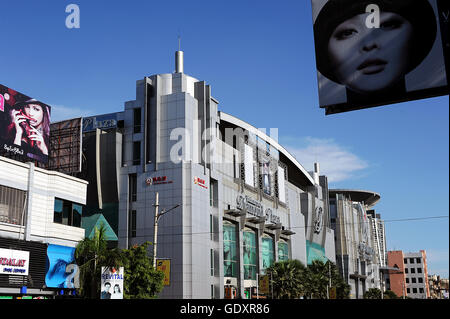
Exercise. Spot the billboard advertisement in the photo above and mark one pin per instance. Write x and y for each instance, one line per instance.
(61, 270)
(14, 262)
(24, 126)
(66, 146)
(112, 283)
(377, 52)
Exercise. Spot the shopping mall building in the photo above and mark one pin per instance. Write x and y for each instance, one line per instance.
(244, 201)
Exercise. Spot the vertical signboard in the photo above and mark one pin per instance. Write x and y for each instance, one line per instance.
(281, 188)
(112, 283)
(164, 266)
(24, 126)
(248, 165)
(377, 52)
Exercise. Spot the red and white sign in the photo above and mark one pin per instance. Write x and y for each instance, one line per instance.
(14, 262)
(200, 182)
(157, 180)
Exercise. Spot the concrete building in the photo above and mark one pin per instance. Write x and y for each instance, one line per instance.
(244, 201)
(359, 249)
(416, 272)
(412, 278)
(40, 221)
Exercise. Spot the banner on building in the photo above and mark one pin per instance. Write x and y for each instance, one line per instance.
(62, 271)
(263, 284)
(24, 126)
(377, 52)
(112, 283)
(164, 266)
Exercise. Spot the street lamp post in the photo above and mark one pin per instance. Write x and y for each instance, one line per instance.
(155, 225)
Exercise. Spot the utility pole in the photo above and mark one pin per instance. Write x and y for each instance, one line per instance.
(155, 225)
(155, 229)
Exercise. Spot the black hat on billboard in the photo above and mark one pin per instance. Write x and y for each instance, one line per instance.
(419, 13)
(27, 102)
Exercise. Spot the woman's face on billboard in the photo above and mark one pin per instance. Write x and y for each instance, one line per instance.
(371, 59)
(36, 113)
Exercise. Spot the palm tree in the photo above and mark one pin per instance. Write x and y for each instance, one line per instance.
(91, 254)
(288, 279)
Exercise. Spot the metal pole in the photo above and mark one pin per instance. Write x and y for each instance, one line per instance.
(257, 286)
(155, 230)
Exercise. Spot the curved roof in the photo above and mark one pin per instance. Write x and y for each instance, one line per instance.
(368, 197)
(234, 120)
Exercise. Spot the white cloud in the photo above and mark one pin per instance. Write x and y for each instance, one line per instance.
(337, 162)
(60, 112)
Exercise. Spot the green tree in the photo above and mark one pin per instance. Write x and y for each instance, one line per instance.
(90, 255)
(318, 277)
(141, 280)
(287, 279)
(389, 294)
(372, 293)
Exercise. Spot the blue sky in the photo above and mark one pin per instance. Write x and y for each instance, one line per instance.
(258, 57)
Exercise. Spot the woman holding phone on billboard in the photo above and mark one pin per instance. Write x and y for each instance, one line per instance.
(372, 61)
(30, 127)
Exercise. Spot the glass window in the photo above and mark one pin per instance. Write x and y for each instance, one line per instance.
(12, 203)
(418, 260)
(67, 213)
(137, 153)
(230, 259)
(407, 290)
(132, 224)
(414, 290)
(249, 252)
(267, 252)
(407, 280)
(411, 260)
(133, 187)
(413, 270)
(420, 280)
(137, 120)
(421, 290)
(77, 211)
(406, 270)
(419, 270)
(405, 260)
(413, 280)
(57, 216)
(283, 250)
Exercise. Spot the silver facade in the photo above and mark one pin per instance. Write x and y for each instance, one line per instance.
(178, 150)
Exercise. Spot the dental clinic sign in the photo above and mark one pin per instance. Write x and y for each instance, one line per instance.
(14, 262)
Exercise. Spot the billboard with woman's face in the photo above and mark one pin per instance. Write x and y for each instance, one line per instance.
(24, 126)
(376, 52)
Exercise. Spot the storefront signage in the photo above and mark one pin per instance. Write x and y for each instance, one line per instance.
(200, 182)
(102, 122)
(271, 217)
(14, 262)
(256, 209)
(157, 180)
(112, 283)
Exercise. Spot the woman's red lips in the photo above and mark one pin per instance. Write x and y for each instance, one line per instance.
(371, 62)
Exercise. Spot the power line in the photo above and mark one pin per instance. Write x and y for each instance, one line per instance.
(297, 227)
